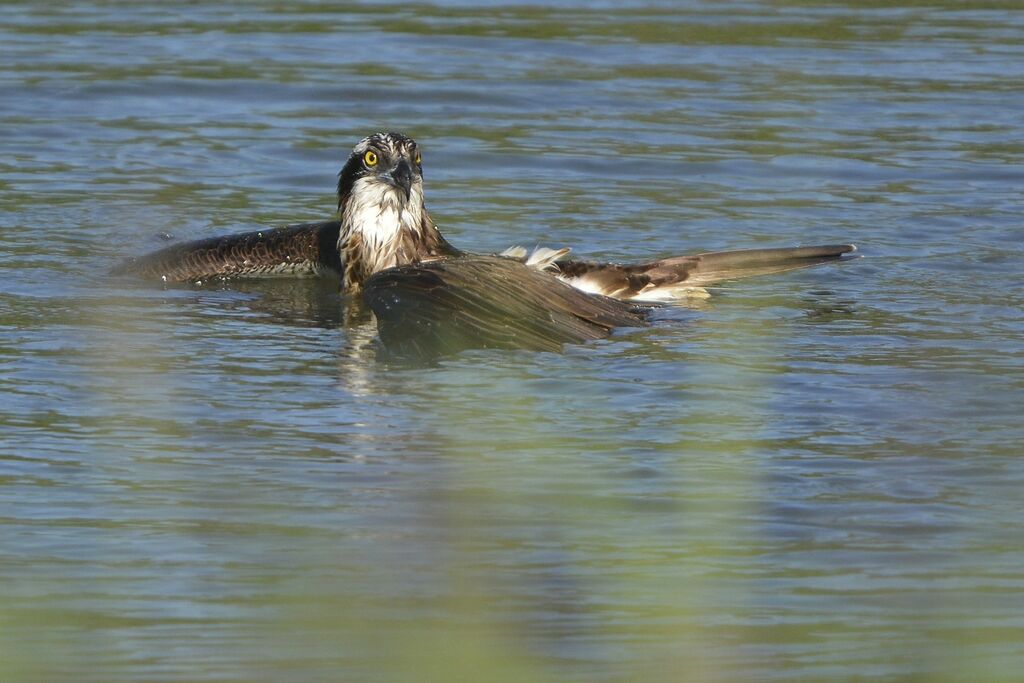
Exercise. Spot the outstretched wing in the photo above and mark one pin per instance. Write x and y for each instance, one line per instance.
(679, 276)
(442, 307)
(305, 249)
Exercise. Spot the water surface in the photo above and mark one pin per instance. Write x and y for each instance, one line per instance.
(814, 476)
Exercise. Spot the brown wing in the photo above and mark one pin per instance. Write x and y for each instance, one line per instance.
(308, 248)
(656, 279)
(442, 307)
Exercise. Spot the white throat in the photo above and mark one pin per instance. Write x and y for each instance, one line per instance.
(374, 220)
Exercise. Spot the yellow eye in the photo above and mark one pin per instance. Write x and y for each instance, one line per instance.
(419, 159)
(370, 158)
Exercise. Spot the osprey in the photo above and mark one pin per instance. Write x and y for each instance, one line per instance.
(429, 296)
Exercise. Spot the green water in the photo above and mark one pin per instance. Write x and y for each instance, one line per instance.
(814, 476)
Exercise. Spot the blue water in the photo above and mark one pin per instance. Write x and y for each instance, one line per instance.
(812, 476)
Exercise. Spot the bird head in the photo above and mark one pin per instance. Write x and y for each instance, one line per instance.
(386, 165)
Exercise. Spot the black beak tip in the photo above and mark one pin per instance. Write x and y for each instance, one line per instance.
(403, 177)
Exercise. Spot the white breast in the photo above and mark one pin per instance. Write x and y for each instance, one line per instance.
(379, 214)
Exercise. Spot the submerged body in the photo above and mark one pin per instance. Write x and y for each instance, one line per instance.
(385, 241)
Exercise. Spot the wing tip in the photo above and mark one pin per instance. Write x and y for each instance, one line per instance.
(833, 249)
(828, 250)
(849, 252)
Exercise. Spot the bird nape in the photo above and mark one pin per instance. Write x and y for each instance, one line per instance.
(430, 298)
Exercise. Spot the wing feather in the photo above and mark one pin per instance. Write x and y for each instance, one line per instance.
(673, 277)
(441, 307)
(304, 249)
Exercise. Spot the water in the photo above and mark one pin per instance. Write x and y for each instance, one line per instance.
(814, 476)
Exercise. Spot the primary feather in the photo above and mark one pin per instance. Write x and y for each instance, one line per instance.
(681, 276)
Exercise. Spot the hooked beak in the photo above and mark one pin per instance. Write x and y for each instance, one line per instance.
(402, 176)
